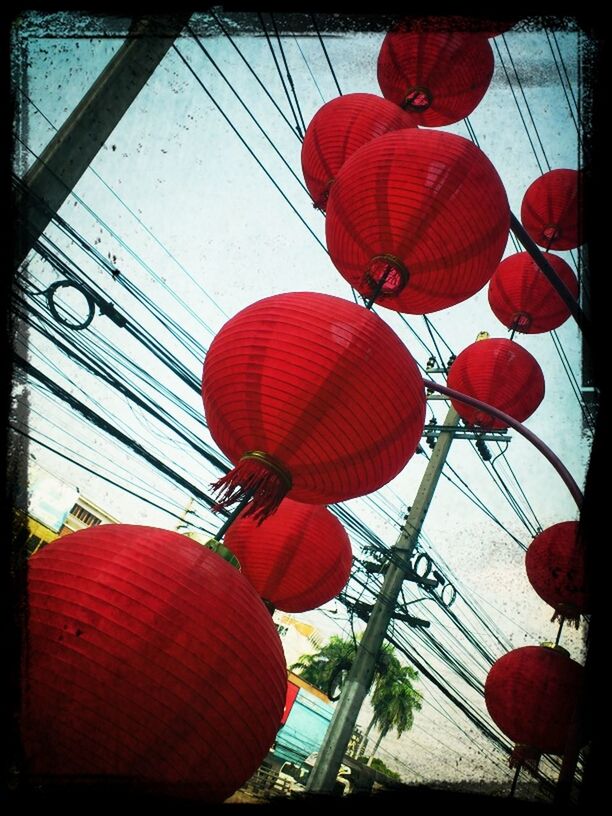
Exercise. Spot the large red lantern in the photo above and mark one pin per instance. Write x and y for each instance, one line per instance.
(297, 559)
(312, 396)
(150, 662)
(437, 77)
(424, 208)
(337, 130)
(501, 373)
(522, 297)
(549, 211)
(531, 693)
(555, 564)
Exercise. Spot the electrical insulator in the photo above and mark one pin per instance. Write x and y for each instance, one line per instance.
(483, 450)
(431, 363)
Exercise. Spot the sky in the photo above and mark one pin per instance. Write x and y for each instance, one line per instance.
(177, 203)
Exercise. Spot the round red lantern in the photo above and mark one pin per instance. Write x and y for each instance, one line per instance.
(549, 211)
(312, 396)
(437, 77)
(422, 210)
(522, 297)
(500, 373)
(150, 663)
(297, 559)
(555, 564)
(337, 130)
(531, 693)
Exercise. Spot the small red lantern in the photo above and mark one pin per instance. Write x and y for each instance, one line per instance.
(297, 559)
(555, 564)
(531, 693)
(422, 210)
(500, 373)
(437, 77)
(522, 297)
(312, 396)
(337, 130)
(549, 211)
(150, 663)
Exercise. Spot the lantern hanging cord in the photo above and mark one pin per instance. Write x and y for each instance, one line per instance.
(233, 515)
(563, 292)
(379, 287)
(515, 780)
(333, 73)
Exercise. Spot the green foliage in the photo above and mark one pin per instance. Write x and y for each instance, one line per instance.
(394, 699)
(326, 668)
(379, 765)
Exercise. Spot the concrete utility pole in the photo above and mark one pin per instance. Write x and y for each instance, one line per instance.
(357, 684)
(53, 176)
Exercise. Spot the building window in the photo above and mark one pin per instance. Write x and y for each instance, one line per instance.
(85, 516)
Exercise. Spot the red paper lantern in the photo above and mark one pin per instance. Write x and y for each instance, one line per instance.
(549, 211)
(312, 396)
(424, 207)
(531, 694)
(500, 373)
(297, 559)
(437, 77)
(337, 130)
(555, 564)
(149, 662)
(522, 297)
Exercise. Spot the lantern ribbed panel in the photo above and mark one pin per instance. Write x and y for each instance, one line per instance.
(549, 211)
(428, 198)
(322, 385)
(531, 694)
(555, 564)
(521, 294)
(149, 660)
(337, 130)
(500, 373)
(451, 69)
(299, 558)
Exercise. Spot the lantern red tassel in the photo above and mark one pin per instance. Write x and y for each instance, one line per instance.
(426, 205)
(555, 565)
(312, 396)
(337, 130)
(531, 693)
(438, 78)
(150, 665)
(257, 474)
(523, 298)
(549, 211)
(501, 373)
(297, 559)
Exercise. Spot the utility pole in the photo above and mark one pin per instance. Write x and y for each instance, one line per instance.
(54, 174)
(331, 753)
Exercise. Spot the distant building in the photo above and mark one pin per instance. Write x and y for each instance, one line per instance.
(84, 513)
(297, 636)
(56, 508)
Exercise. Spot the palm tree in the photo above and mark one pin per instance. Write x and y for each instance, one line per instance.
(394, 702)
(324, 668)
(394, 698)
